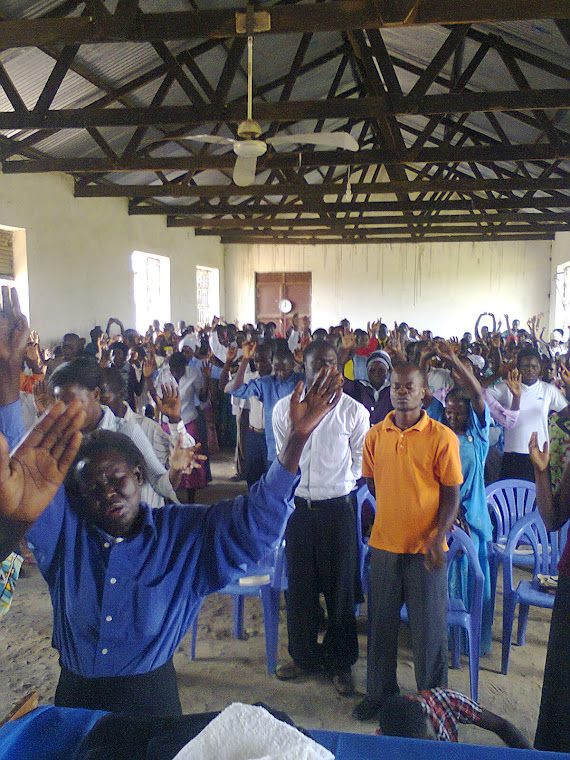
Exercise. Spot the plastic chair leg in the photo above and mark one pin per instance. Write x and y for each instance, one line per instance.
(474, 653)
(493, 573)
(509, 606)
(270, 598)
(194, 634)
(455, 636)
(238, 605)
(523, 620)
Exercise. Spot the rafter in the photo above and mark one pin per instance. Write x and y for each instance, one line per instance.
(311, 191)
(339, 15)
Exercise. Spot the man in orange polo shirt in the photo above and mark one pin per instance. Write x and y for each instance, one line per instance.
(412, 465)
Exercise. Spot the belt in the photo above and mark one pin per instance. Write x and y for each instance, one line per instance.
(256, 430)
(301, 503)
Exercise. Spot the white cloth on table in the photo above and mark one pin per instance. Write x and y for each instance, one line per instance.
(247, 732)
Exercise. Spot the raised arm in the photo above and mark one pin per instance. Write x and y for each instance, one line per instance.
(248, 350)
(465, 377)
(31, 476)
(554, 508)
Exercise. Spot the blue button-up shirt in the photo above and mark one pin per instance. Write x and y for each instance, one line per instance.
(122, 607)
(269, 390)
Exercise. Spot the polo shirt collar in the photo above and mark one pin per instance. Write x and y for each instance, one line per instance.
(420, 425)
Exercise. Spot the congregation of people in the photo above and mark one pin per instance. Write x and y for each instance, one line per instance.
(123, 430)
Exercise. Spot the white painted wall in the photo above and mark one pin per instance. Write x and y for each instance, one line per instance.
(79, 255)
(438, 286)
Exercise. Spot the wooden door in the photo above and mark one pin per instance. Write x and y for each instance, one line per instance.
(273, 287)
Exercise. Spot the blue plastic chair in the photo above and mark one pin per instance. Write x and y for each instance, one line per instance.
(363, 496)
(272, 579)
(546, 549)
(507, 501)
(458, 616)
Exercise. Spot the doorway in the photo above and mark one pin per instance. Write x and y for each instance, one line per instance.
(273, 289)
(151, 275)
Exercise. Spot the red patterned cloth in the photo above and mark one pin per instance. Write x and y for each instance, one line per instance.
(446, 709)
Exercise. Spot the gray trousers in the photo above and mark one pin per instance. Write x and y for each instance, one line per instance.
(395, 579)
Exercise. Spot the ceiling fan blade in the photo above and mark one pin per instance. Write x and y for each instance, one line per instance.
(330, 139)
(244, 170)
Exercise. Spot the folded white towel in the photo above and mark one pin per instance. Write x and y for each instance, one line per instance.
(246, 732)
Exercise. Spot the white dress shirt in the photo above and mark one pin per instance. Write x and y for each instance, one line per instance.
(331, 461)
(158, 478)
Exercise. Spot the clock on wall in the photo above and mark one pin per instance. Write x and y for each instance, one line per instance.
(285, 306)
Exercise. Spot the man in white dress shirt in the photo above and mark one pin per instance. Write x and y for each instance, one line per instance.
(322, 551)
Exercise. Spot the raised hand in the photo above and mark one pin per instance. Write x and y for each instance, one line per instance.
(171, 403)
(539, 457)
(248, 349)
(14, 334)
(496, 340)
(298, 355)
(206, 370)
(564, 374)
(29, 479)
(231, 355)
(42, 397)
(184, 460)
(348, 339)
(513, 382)
(445, 350)
(14, 330)
(321, 398)
(149, 366)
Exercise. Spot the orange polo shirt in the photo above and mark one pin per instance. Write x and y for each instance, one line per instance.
(408, 467)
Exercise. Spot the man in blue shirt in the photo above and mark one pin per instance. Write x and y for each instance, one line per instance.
(270, 389)
(125, 581)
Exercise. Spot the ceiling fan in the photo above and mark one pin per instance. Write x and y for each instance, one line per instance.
(249, 147)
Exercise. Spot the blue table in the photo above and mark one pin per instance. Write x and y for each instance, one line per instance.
(54, 733)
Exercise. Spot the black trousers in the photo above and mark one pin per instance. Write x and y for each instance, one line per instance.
(553, 729)
(154, 693)
(255, 456)
(322, 558)
(517, 466)
(395, 579)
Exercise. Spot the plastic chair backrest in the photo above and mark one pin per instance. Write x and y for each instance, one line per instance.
(363, 495)
(459, 541)
(507, 501)
(530, 528)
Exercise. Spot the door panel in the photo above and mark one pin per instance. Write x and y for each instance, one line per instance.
(272, 287)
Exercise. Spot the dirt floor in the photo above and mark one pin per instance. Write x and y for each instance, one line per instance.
(228, 670)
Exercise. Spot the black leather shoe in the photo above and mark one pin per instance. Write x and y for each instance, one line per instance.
(344, 683)
(367, 709)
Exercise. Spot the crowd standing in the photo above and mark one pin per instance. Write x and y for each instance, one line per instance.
(425, 421)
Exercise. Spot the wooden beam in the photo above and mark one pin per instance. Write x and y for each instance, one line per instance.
(384, 207)
(288, 111)
(355, 239)
(422, 225)
(340, 15)
(561, 220)
(318, 190)
(309, 159)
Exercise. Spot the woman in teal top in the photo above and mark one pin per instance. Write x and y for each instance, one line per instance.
(468, 416)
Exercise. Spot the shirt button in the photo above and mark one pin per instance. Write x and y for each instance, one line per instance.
(106, 545)
(104, 651)
(108, 618)
(113, 581)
